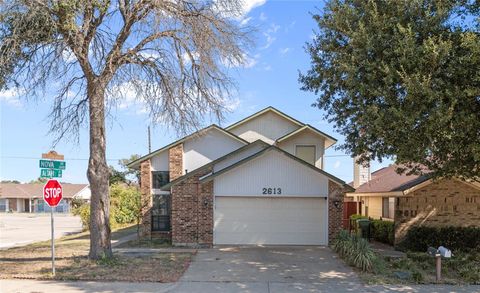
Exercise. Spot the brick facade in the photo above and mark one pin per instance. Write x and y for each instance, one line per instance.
(146, 198)
(336, 193)
(192, 212)
(448, 202)
(175, 161)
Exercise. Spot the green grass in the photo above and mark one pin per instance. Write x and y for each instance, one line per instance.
(462, 268)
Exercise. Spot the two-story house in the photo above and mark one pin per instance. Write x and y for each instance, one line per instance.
(258, 181)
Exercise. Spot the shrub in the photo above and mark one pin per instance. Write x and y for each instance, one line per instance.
(362, 256)
(454, 238)
(124, 206)
(341, 243)
(383, 231)
(84, 212)
(357, 216)
(355, 250)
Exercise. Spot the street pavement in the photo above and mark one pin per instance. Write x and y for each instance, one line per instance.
(24, 228)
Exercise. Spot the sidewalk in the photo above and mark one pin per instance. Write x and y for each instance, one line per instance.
(31, 286)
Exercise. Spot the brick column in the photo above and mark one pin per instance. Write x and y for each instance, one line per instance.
(335, 215)
(146, 198)
(175, 161)
(192, 212)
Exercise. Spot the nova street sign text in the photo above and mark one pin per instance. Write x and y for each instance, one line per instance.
(49, 164)
(50, 173)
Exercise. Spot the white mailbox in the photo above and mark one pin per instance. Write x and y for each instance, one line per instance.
(444, 252)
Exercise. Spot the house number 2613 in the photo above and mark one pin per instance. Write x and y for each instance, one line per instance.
(271, 190)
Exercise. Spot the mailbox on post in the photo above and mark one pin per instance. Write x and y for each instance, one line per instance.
(444, 252)
(438, 254)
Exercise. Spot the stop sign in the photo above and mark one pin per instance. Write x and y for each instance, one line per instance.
(52, 192)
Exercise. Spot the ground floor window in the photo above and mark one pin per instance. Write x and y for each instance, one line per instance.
(3, 204)
(388, 207)
(161, 212)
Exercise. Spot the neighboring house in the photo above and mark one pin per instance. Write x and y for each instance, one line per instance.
(415, 200)
(28, 198)
(258, 181)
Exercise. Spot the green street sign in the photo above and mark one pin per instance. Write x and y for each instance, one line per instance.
(50, 173)
(49, 164)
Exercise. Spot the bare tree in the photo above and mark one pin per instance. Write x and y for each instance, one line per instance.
(173, 55)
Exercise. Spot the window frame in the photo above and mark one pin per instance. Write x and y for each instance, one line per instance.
(154, 185)
(307, 145)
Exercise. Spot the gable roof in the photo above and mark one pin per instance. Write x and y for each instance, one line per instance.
(331, 140)
(388, 180)
(274, 148)
(212, 163)
(135, 164)
(261, 112)
(35, 190)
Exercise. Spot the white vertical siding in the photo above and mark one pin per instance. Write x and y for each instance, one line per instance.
(272, 170)
(238, 157)
(160, 161)
(207, 147)
(267, 127)
(306, 137)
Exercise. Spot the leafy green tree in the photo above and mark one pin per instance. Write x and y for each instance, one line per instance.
(401, 79)
(92, 53)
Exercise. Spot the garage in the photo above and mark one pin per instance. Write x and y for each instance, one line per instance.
(270, 221)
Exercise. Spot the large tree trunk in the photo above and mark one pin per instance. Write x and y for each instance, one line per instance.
(97, 174)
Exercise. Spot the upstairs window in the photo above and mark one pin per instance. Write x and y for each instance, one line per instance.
(160, 178)
(306, 153)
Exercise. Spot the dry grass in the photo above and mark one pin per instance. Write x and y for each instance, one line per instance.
(34, 262)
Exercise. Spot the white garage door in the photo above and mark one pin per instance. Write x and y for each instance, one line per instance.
(254, 220)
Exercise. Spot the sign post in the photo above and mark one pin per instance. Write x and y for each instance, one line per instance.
(52, 194)
(52, 191)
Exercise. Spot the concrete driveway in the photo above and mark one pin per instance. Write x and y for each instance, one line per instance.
(268, 269)
(21, 229)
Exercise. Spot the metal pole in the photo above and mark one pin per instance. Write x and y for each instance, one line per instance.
(53, 242)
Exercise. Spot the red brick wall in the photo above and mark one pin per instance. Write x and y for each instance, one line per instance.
(192, 212)
(335, 215)
(175, 161)
(146, 198)
(447, 202)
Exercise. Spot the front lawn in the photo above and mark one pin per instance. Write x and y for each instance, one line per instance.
(419, 268)
(71, 262)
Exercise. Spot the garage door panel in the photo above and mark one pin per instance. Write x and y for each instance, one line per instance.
(251, 220)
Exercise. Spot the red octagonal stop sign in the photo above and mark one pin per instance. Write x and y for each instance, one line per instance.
(52, 192)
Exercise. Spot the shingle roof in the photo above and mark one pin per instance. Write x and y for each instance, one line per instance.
(35, 190)
(387, 180)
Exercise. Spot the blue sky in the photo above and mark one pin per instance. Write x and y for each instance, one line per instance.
(270, 78)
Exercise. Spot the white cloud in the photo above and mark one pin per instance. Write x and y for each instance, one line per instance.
(284, 51)
(249, 62)
(11, 97)
(267, 68)
(269, 35)
(232, 104)
(263, 17)
(68, 56)
(248, 5)
(245, 21)
(337, 164)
